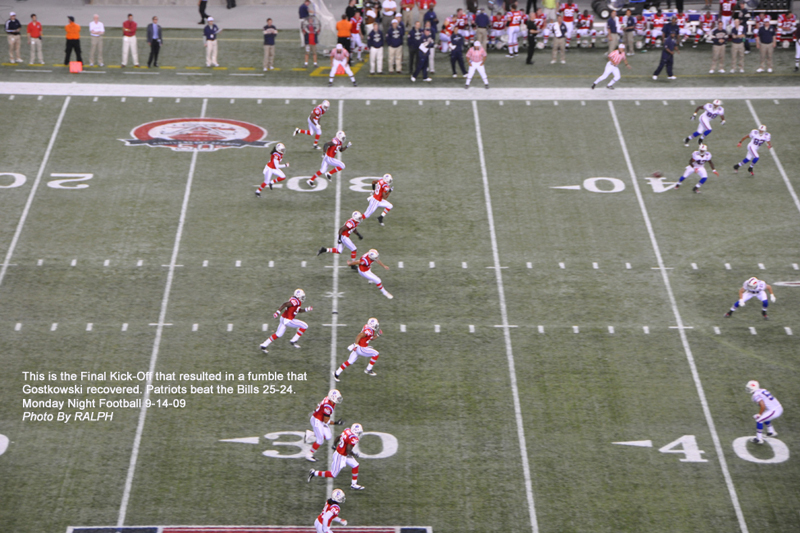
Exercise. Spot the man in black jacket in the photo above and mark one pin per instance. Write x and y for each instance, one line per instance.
(414, 40)
(155, 38)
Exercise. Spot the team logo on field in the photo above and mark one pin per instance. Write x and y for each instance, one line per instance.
(198, 134)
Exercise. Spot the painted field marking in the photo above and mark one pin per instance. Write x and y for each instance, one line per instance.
(205, 262)
(233, 100)
(761, 266)
(523, 446)
(527, 102)
(561, 265)
(303, 264)
(271, 264)
(665, 102)
(39, 97)
(11, 97)
(394, 102)
(752, 331)
(399, 264)
(150, 100)
(472, 328)
(287, 102)
(125, 326)
(694, 266)
(89, 326)
(54, 326)
(684, 340)
(195, 327)
(463, 264)
(691, 102)
(575, 329)
(34, 188)
(74, 262)
(555, 102)
(420, 102)
(432, 265)
(541, 329)
(646, 330)
(436, 328)
(40, 262)
(776, 102)
(367, 102)
(500, 102)
(446, 102)
(402, 328)
(777, 161)
(122, 99)
(583, 102)
(638, 103)
(795, 266)
(18, 327)
(259, 101)
(140, 262)
(529, 264)
(595, 266)
(238, 264)
(264, 327)
(628, 266)
(95, 99)
(717, 330)
(107, 262)
(727, 266)
(178, 101)
(611, 329)
(126, 494)
(230, 327)
(788, 331)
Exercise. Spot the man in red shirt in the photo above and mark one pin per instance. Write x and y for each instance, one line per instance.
(129, 41)
(35, 38)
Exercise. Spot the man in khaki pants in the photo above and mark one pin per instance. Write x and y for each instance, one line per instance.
(96, 30)
(719, 38)
(559, 33)
(13, 32)
(737, 45)
(765, 41)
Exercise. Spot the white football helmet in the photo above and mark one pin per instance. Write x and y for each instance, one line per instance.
(387, 179)
(357, 430)
(373, 254)
(335, 396)
(325, 105)
(717, 103)
(751, 283)
(357, 216)
(762, 129)
(280, 148)
(703, 148)
(341, 136)
(372, 323)
(752, 386)
(300, 295)
(337, 495)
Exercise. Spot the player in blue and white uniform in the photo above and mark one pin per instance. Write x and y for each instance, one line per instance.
(697, 164)
(757, 138)
(753, 288)
(710, 112)
(769, 410)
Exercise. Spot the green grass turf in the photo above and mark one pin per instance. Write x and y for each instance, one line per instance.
(445, 396)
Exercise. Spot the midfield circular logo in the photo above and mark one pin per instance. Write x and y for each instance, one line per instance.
(198, 134)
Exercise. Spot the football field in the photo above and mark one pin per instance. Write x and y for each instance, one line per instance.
(555, 357)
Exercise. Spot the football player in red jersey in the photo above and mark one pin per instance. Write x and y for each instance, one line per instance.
(498, 30)
(330, 513)
(569, 11)
(362, 348)
(344, 236)
(787, 24)
(273, 168)
(586, 27)
(332, 148)
(313, 123)
(345, 454)
(726, 12)
(704, 27)
(287, 313)
(364, 266)
(514, 19)
(321, 417)
(382, 189)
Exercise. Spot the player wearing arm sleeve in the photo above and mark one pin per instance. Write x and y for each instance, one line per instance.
(710, 112)
(757, 138)
(313, 123)
(768, 410)
(344, 236)
(344, 455)
(364, 269)
(320, 418)
(273, 168)
(361, 348)
(287, 313)
(330, 512)
(382, 188)
(754, 288)
(330, 150)
(697, 165)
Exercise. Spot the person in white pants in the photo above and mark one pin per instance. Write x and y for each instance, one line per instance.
(477, 57)
(768, 410)
(361, 348)
(129, 41)
(364, 264)
(753, 288)
(288, 312)
(612, 67)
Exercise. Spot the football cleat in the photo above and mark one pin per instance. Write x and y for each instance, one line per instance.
(370, 372)
(310, 457)
(610, 87)
(752, 386)
(270, 184)
(703, 148)
(757, 440)
(357, 216)
(296, 131)
(764, 314)
(309, 437)
(300, 295)
(258, 193)
(736, 167)
(700, 140)
(696, 189)
(357, 429)
(280, 148)
(328, 176)
(341, 136)
(322, 251)
(335, 396)
(752, 283)
(311, 183)
(335, 377)
(338, 495)
(310, 474)
(373, 323)
(380, 220)
(317, 146)
(325, 105)
(373, 254)
(762, 129)
(750, 170)
(356, 486)
(728, 314)
(294, 343)
(686, 141)
(677, 185)
(388, 180)
(386, 293)
(264, 348)
(594, 85)
(771, 432)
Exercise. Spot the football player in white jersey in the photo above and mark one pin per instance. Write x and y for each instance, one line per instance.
(752, 288)
(710, 112)
(757, 138)
(697, 164)
(768, 410)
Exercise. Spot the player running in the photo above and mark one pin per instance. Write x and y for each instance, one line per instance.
(757, 138)
(612, 67)
(382, 188)
(330, 513)
(345, 454)
(364, 266)
(753, 288)
(287, 313)
(768, 410)
(313, 123)
(710, 112)
(362, 348)
(697, 164)
(332, 148)
(344, 236)
(273, 168)
(321, 417)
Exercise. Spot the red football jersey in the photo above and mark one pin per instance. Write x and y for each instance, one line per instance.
(586, 22)
(498, 22)
(274, 160)
(294, 307)
(350, 225)
(355, 24)
(317, 113)
(569, 10)
(324, 408)
(658, 20)
(369, 334)
(365, 263)
(726, 8)
(335, 146)
(329, 512)
(347, 437)
(381, 190)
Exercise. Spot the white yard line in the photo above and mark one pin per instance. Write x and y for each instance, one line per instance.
(523, 447)
(34, 188)
(777, 161)
(421, 94)
(681, 329)
(123, 508)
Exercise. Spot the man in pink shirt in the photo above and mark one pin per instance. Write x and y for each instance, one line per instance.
(612, 67)
(339, 59)
(477, 57)
(129, 41)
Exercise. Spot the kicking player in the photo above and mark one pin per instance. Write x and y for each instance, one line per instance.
(757, 138)
(768, 410)
(287, 313)
(612, 67)
(362, 348)
(273, 168)
(382, 189)
(313, 123)
(753, 288)
(697, 164)
(710, 112)
(330, 513)
(344, 236)
(332, 148)
(321, 417)
(345, 454)
(364, 268)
